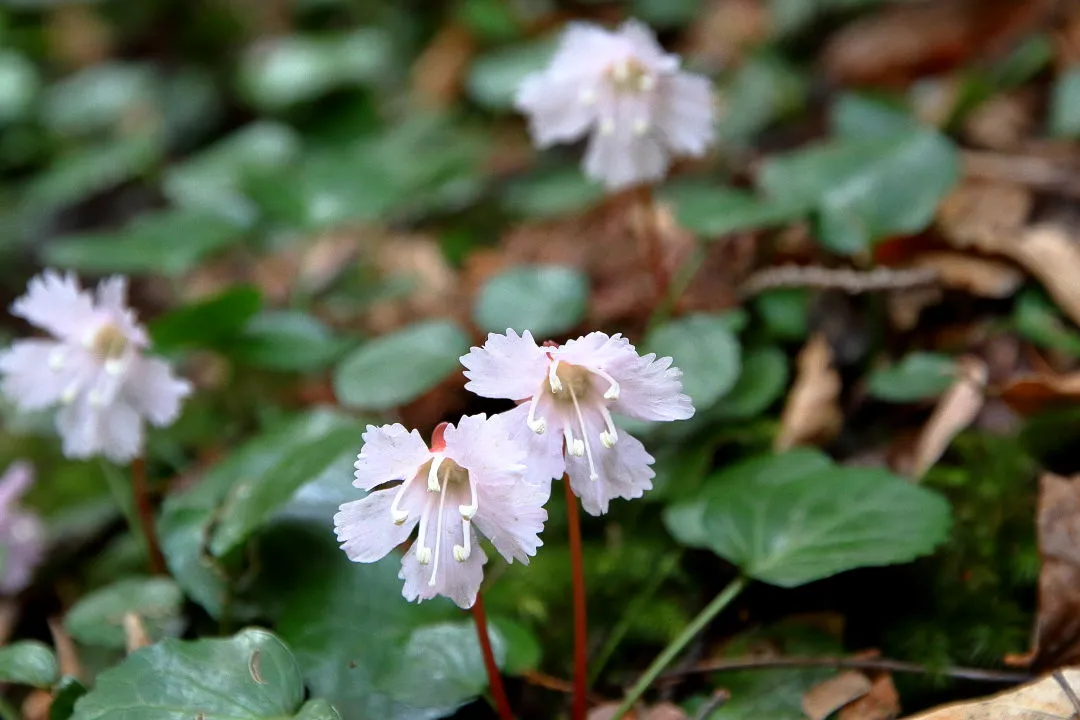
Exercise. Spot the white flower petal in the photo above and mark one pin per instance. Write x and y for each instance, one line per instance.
(507, 366)
(55, 303)
(153, 389)
(31, 376)
(365, 530)
(624, 471)
(459, 581)
(390, 453)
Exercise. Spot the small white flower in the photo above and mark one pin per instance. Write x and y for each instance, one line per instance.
(568, 394)
(92, 366)
(468, 482)
(628, 94)
(22, 535)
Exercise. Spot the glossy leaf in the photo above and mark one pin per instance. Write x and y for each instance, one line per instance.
(212, 322)
(249, 676)
(545, 299)
(288, 340)
(787, 522)
(761, 382)
(396, 368)
(706, 351)
(98, 618)
(28, 662)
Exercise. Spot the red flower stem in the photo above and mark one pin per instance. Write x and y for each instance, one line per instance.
(581, 635)
(145, 510)
(494, 678)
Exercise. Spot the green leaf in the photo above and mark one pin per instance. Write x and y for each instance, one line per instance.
(494, 78)
(360, 645)
(714, 211)
(98, 98)
(188, 518)
(213, 179)
(254, 499)
(918, 376)
(788, 523)
(20, 83)
(98, 618)
(249, 676)
(1064, 117)
(545, 299)
(1040, 321)
(785, 312)
(552, 193)
(666, 13)
(170, 242)
(317, 710)
(762, 89)
(288, 340)
(865, 188)
(285, 71)
(67, 691)
(706, 351)
(396, 368)
(28, 662)
(762, 382)
(857, 116)
(212, 322)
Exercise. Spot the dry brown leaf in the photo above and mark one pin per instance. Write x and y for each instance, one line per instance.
(881, 703)
(135, 635)
(418, 261)
(1043, 699)
(827, 697)
(1052, 256)
(812, 412)
(726, 29)
(905, 306)
(1004, 121)
(906, 41)
(956, 409)
(984, 215)
(1030, 394)
(437, 74)
(1056, 637)
(976, 275)
(660, 711)
(36, 705)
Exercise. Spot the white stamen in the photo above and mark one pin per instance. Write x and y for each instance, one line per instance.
(423, 552)
(95, 399)
(593, 475)
(537, 425)
(621, 71)
(396, 513)
(641, 126)
(467, 511)
(573, 446)
(607, 126)
(433, 473)
(57, 358)
(114, 367)
(68, 396)
(612, 393)
(587, 96)
(462, 552)
(554, 381)
(609, 437)
(438, 539)
(647, 83)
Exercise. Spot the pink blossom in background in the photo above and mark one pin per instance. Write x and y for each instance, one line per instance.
(630, 97)
(469, 482)
(568, 394)
(22, 535)
(92, 366)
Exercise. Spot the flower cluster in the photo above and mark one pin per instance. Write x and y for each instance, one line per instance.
(629, 96)
(492, 476)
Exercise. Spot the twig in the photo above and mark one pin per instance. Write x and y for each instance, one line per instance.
(718, 700)
(1060, 677)
(846, 279)
(885, 664)
(550, 682)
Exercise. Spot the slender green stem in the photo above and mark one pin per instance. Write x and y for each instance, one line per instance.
(676, 646)
(664, 570)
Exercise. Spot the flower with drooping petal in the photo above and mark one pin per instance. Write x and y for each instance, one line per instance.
(568, 394)
(620, 88)
(22, 535)
(92, 366)
(468, 482)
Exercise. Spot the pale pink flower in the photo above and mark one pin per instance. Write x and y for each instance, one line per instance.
(92, 366)
(22, 535)
(468, 482)
(568, 394)
(620, 88)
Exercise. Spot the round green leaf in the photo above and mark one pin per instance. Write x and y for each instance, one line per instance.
(494, 78)
(917, 376)
(789, 526)
(1040, 321)
(28, 662)
(762, 381)
(98, 618)
(288, 340)
(247, 677)
(706, 351)
(211, 322)
(551, 194)
(19, 85)
(396, 368)
(545, 299)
